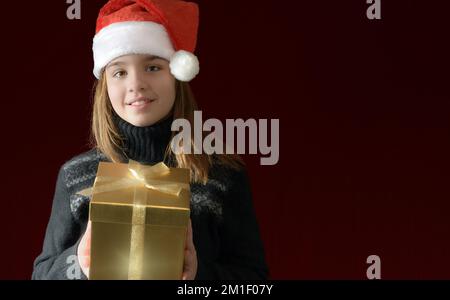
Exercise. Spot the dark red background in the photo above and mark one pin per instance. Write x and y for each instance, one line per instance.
(364, 127)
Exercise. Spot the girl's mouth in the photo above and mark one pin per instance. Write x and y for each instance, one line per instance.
(140, 102)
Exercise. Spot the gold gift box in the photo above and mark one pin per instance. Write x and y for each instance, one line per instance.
(138, 239)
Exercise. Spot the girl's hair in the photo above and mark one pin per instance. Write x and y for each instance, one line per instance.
(106, 137)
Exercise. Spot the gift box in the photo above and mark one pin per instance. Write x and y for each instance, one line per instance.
(139, 218)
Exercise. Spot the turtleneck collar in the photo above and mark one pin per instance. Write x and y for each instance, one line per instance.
(145, 144)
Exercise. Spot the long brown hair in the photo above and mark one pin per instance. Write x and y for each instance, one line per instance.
(106, 138)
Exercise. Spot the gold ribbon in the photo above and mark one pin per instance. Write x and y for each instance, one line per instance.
(142, 178)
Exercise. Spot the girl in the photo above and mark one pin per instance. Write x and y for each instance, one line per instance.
(143, 59)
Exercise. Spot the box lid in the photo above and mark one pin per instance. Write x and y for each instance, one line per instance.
(161, 208)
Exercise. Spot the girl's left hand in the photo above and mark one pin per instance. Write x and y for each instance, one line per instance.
(190, 256)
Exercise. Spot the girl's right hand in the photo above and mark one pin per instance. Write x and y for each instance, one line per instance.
(84, 250)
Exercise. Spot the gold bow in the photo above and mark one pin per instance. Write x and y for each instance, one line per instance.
(140, 177)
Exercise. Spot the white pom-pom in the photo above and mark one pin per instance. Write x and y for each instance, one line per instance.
(184, 65)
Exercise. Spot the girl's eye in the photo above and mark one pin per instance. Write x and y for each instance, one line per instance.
(153, 68)
(119, 74)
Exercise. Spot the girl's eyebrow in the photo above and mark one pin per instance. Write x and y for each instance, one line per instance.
(152, 57)
(148, 58)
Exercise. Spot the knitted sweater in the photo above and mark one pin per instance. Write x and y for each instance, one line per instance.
(225, 230)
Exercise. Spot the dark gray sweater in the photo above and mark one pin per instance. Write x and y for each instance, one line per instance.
(225, 230)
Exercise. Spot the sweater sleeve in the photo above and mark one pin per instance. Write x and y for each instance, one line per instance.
(58, 259)
(241, 253)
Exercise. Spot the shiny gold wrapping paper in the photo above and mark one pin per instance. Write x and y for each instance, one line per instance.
(138, 232)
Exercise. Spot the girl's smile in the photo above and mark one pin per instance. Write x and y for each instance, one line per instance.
(140, 103)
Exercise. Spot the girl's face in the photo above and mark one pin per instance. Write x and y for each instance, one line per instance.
(141, 88)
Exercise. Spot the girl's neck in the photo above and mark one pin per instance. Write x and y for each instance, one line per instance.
(146, 145)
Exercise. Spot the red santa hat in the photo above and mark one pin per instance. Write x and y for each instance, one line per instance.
(164, 28)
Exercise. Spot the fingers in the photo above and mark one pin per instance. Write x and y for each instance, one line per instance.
(189, 237)
(88, 236)
(85, 261)
(85, 243)
(188, 274)
(190, 268)
(84, 250)
(190, 256)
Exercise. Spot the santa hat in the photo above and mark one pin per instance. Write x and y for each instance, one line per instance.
(164, 28)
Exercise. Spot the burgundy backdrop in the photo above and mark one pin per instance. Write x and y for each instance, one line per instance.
(364, 128)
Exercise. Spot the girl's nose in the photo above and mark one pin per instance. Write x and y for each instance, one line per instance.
(134, 89)
(136, 83)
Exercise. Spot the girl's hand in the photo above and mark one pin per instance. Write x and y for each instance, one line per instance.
(190, 256)
(84, 251)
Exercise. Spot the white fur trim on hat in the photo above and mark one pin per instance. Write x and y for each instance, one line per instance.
(133, 37)
(184, 65)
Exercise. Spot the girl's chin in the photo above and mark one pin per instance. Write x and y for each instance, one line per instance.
(141, 122)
